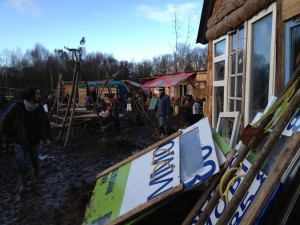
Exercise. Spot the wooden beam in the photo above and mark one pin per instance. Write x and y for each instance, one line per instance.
(150, 148)
(237, 17)
(254, 169)
(272, 180)
(290, 8)
(212, 184)
(143, 207)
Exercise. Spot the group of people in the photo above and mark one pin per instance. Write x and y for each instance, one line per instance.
(26, 124)
(192, 110)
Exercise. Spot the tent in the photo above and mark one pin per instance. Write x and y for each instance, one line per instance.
(168, 80)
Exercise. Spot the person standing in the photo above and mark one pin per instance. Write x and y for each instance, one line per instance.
(114, 110)
(26, 123)
(163, 111)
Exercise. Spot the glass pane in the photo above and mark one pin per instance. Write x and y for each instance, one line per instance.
(241, 38)
(295, 46)
(219, 101)
(233, 63)
(261, 48)
(231, 105)
(220, 48)
(219, 71)
(240, 62)
(238, 105)
(239, 86)
(225, 128)
(233, 42)
(232, 86)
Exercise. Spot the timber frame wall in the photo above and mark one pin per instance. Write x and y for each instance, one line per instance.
(228, 15)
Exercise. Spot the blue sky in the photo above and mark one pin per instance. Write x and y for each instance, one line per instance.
(128, 29)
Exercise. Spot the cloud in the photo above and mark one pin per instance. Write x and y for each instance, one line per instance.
(167, 13)
(25, 6)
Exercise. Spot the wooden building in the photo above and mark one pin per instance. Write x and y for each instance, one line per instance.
(187, 83)
(253, 49)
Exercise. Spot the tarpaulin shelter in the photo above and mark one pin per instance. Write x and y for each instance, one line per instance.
(168, 80)
(117, 87)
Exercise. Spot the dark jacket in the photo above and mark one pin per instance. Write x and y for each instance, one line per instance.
(163, 106)
(23, 127)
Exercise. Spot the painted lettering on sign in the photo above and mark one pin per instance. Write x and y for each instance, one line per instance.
(162, 176)
(293, 125)
(112, 182)
(210, 167)
(245, 203)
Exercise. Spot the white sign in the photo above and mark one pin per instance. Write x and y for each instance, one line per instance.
(244, 205)
(207, 153)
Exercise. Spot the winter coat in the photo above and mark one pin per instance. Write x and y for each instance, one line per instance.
(163, 106)
(23, 127)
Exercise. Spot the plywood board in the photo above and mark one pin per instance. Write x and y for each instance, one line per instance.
(290, 8)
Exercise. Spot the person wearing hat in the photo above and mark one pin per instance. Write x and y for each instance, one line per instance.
(163, 111)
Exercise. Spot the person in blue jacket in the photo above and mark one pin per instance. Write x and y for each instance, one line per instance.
(163, 112)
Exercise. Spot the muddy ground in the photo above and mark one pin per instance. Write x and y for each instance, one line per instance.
(67, 175)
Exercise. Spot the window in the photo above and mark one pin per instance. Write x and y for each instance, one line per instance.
(219, 77)
(236, 69)
(228, 125)
(260, 58)
(292, 47)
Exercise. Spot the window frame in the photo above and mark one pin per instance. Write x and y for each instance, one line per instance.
(236, 123)
(244, 50)
(220, 83)
(260, 15)
(288, 32)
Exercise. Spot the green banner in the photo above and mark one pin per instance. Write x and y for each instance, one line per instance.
(107, 197)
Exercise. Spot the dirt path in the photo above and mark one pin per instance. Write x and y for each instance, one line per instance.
(67, 177)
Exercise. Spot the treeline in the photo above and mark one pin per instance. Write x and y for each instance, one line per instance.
(41, 67)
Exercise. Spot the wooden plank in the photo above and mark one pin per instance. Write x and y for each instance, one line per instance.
(214, 181)
(237, 17)
(290, 200)
(226, 8)
(143, 207)
(150, 148)
(272, 180)
(268, 146)
(290, 8)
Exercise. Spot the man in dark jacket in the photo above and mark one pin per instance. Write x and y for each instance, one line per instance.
(26, 123)
(163, 111)
(114, 110)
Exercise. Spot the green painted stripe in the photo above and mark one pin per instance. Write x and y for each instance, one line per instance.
(107, 197)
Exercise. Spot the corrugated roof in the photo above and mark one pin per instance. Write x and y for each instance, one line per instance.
(168, 80)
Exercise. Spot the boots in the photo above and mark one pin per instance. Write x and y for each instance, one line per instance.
(22, 180)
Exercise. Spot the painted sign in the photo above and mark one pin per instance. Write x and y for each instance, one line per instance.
(244, 205)
(154, 173)
(207, 153)
(293, 125)
(134, 183)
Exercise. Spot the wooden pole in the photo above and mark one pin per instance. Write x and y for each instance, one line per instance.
(213, 183)
(272, 180)
(148, 149)
(69, 102)
(74, 106)
(243, 151)
(254, 169)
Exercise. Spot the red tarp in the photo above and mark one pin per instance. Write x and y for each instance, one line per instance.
(167, 80)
